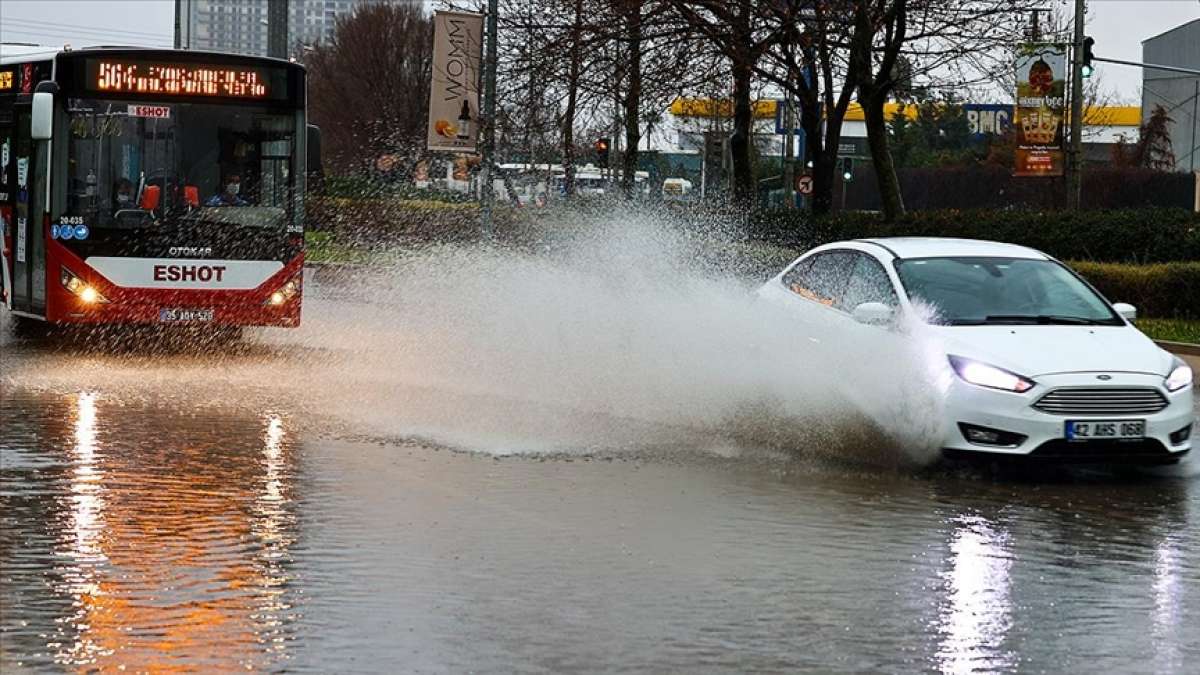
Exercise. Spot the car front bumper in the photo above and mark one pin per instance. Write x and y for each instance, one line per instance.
(1045, 433)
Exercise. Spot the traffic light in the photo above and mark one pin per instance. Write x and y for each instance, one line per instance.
(1087, 56)
(602, 151)
(847, 168)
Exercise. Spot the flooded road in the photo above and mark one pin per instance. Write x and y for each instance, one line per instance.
(255, 510)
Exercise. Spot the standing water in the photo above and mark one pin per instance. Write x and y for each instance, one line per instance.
(659, 474)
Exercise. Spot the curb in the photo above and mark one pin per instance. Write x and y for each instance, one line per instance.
(1185, 348)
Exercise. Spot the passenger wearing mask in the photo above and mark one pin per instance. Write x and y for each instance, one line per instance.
(229, 195)
(125, 196)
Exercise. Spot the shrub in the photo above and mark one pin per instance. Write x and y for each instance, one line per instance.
(1167, 291)
(1127, 235)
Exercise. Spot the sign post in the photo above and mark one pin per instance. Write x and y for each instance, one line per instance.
(1040, 108)
(804, 184)
(454, 91)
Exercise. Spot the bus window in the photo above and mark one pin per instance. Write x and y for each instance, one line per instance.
(189, 151)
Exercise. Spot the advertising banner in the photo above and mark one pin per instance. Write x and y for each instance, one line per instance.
(453, 123)
(1040, 109)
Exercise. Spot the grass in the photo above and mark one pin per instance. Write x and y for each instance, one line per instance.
(1173, 330)
(320, 247)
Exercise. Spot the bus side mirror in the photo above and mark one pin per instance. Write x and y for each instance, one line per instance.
(42, 121)
(315, 172)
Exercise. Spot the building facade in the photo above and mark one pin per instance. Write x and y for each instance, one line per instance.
(240, 26)
(1178, 93)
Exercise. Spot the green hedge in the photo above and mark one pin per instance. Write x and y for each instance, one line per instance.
(1165, 291)
(1127, 235)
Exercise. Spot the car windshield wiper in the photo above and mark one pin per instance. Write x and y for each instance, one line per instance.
(1045, 319)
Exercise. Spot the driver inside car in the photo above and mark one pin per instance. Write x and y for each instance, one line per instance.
(229, 194)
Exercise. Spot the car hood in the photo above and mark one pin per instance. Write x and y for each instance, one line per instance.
(1044, 350)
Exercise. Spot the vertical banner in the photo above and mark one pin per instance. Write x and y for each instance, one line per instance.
(454, 94)
(1040, 109)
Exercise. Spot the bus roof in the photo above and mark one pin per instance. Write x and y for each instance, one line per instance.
(21, 52)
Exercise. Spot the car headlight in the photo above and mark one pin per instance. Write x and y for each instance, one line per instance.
(285, 292)
(79, 288)
(983, 375)
(1180, 377)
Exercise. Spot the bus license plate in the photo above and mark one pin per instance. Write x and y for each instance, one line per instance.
(179, 315)
(1093, 429)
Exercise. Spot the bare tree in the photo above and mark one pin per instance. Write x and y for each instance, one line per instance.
(951, 44)
(743, 32)
(369, 85)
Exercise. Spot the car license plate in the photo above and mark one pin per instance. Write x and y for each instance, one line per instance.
(1104, 429)
(179, 315)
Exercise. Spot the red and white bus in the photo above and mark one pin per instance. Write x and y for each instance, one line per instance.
(142, 186)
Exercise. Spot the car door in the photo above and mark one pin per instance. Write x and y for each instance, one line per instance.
(815, 289)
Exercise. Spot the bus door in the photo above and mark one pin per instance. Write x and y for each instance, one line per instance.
(25, 188)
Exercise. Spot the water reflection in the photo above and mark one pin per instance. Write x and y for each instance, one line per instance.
(81, 548)
(1168, 605)
(977, 612)
(273, 526)
(166, 551)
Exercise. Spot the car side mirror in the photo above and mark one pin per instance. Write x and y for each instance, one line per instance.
(41, 123)
(1126, 310)
(874, 313)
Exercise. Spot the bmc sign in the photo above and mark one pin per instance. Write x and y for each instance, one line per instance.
(988, 119)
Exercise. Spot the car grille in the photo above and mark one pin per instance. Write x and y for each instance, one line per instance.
(1101, 401)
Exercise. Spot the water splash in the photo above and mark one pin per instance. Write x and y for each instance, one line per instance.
(620, 334)
(627, 334)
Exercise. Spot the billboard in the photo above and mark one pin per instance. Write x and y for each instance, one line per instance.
(1041, 104)
(453, 123)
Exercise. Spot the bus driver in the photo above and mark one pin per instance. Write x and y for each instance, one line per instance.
(229, 196)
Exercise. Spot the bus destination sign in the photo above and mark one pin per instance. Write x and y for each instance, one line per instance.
(142, 77)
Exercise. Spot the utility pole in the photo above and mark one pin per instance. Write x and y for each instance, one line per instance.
(1195, 142)
(487, 196)
(789, 187)
(277, 29)
(1075, 173)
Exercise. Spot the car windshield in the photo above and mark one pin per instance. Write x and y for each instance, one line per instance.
(133, 163)
(979, 291)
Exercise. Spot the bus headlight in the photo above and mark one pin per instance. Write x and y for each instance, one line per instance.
(80, 289)
(285, 292)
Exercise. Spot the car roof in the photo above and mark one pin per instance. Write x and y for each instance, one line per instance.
(936, 247)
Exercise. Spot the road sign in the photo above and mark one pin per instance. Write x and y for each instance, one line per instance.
(804, 184)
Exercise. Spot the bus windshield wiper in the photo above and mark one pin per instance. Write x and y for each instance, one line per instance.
(1045, 319)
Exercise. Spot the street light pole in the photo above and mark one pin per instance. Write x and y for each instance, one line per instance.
(487, 196)
(1075, 174)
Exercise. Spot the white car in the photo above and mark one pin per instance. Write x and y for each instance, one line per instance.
(1043, 366)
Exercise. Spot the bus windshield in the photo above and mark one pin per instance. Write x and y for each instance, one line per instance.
(133, 164)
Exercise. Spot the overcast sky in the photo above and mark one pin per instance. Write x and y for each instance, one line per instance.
(1118, 26)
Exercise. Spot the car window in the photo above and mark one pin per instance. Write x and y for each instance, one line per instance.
(824, 279)
(972, 290)
(868, 282)
(797, 272)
